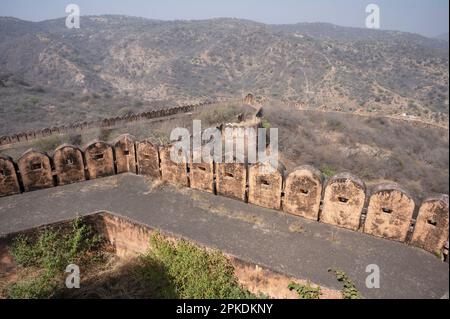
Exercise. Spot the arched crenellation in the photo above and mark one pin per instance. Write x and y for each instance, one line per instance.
(9, 182)
(174, 171)
(389, 212)
(125, 152)
(344, 199)
(265, 185)
(69, 164)
(99, 159)
(431, 228)
(303, 192)
(201, 173)
(36, 170)
(231, 179)
(148, 159)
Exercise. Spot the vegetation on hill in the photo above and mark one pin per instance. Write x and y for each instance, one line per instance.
(168, 270)
(115, 64)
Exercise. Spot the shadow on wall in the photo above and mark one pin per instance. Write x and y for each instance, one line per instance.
(343, 200)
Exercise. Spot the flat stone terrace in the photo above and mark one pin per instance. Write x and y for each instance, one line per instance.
(284, 243)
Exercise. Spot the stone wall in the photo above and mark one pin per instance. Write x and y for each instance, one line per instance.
(36, 170)
(344, 200)
(175, 173)
(104, 123)
(389, 212)
(303, 192)
(431, 229)
(385, 210)
(231, 180)
(201, 176)
(125, 153)
(69, 164)
(9, 183)
(99, 158)
(147, 159)
(265, 185)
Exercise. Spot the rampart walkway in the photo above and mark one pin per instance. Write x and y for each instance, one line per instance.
(284, 243)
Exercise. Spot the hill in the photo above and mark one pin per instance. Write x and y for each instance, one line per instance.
(116, 64)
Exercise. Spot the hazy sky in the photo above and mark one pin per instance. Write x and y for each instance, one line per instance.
(427, 17)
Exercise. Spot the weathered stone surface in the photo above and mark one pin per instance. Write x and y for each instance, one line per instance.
(302, 192)
(9, 183)
(99, 159)
(231, 180)
(5, 140)
(69, 165)
(129, 237)
(125, 154)
(22, 137)
(175, 173)
(148, 159)
(201, 165)
(249, 99)
(240, 141)
(431, 230)
(265, 185)
(36, 170)
(344, 200)
(389, 212)
(202, 176)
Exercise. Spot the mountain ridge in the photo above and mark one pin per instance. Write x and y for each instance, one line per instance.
(115, 58)
(224, 18)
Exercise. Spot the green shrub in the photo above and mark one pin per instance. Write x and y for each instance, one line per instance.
(48, 255)
(182, 270)
(168, 270)
(34, 100)
(219, 115)
(53, 249)
(306, 291)
(349, 290)
(39, 287)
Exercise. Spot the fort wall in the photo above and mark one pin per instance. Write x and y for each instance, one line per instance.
(343, 200)
(103, 123)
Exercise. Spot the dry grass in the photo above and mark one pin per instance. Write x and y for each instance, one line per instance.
(375, 149)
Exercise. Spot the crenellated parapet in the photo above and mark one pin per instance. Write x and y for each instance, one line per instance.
(385, 210)
(103, 123)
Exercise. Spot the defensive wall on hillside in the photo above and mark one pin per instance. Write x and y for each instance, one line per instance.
(103, 123)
